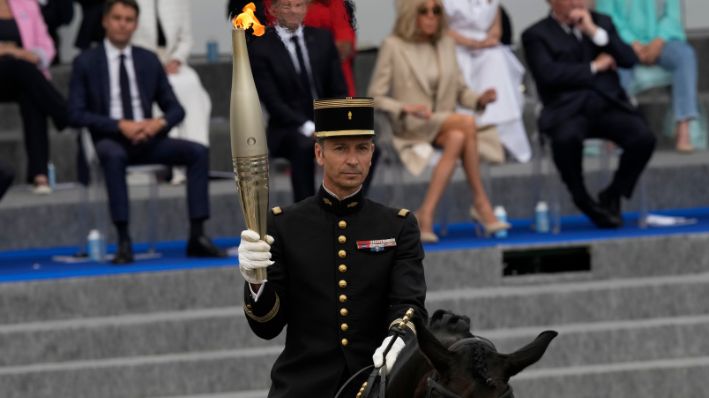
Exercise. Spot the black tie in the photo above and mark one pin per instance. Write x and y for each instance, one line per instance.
(124, 83)
(304, 79)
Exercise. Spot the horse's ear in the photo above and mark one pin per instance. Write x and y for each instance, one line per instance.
(435, 352)
(529, 354)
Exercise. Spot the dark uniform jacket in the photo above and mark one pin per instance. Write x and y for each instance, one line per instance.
(337, 300)
(562, 71)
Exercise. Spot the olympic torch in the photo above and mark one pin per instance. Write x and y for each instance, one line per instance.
(248, 136)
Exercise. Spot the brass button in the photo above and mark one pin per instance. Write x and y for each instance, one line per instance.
(344, 327)
(342, 253)
(344, 342)
(343, 298)
(342, 239)
(344, 311)
(342, 268)
(342, 283)
(342, 224)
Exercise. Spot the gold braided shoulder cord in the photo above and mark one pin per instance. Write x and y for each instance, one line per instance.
(269, 315)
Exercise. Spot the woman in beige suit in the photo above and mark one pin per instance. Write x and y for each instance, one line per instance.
(417, 82)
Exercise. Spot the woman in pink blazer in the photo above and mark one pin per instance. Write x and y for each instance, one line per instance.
(26, 51)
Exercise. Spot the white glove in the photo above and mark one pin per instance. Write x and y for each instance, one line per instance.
(391, 355)
(254, 254)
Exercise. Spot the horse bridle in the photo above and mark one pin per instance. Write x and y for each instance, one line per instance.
(434, 387)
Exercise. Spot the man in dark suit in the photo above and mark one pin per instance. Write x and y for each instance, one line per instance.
(344, 268)
(293, 65)
(573, 55)
(112, 90)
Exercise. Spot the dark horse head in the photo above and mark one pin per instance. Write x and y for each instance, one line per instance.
(451, 362)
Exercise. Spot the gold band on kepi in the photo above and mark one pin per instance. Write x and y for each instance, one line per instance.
(344, 117)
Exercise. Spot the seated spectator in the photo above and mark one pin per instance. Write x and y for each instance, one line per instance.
(476, 28)
(417, 82)
(26, 51)
(117, 107)
(656, 33)
(336, 16)
(6, 177)
(166, 28)
(292, 65)
(90, 30)
(573, 54)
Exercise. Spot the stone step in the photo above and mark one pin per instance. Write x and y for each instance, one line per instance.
(217, 372)
(683, 377)
(612, 342)
(138, 335)
(658, 379)
(563, 303)
(680, 257)
(455, 274)
(137, 293)
(164, 375)
(217, 329)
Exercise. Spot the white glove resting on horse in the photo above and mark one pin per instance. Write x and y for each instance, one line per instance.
(254, 254)
(391, 356)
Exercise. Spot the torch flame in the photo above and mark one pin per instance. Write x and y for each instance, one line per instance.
(247, 19)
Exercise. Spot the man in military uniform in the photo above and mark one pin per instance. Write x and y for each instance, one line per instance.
(341, 269)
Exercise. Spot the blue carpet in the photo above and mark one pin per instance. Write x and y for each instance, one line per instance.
(38, 264)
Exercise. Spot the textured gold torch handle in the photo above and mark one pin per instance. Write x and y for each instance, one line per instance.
(251, 177)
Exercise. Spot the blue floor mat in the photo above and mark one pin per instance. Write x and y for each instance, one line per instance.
(38, 264)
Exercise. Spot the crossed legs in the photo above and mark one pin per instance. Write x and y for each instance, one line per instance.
(458, 138)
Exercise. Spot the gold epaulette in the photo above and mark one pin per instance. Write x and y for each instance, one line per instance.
(276, 210)
(404, 212)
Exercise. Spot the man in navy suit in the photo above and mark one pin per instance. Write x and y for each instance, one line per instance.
(112, 91)
(293, 65)
(573, 55)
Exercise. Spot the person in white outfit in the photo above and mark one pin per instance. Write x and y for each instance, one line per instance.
(475, 25)
(166, 28)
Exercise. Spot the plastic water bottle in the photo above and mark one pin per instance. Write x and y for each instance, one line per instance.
(52, 176)
(96, 246)
(212, 51)
(501, 215)
(541, 217)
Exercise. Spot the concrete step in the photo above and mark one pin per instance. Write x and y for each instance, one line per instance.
(612, 342)
(657, 379)
(220, 373)
(460, 271)
(155, 334)
(138, 293)
(151, 334)
(563, 303)
(684, 377)
(660, 347)
(164, 375)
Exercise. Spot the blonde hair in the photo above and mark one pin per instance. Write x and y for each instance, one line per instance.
(406, 26)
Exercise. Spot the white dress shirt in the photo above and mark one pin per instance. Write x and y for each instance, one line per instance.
(116, 108)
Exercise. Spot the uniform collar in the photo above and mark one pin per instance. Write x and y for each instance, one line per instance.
(331, 203)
